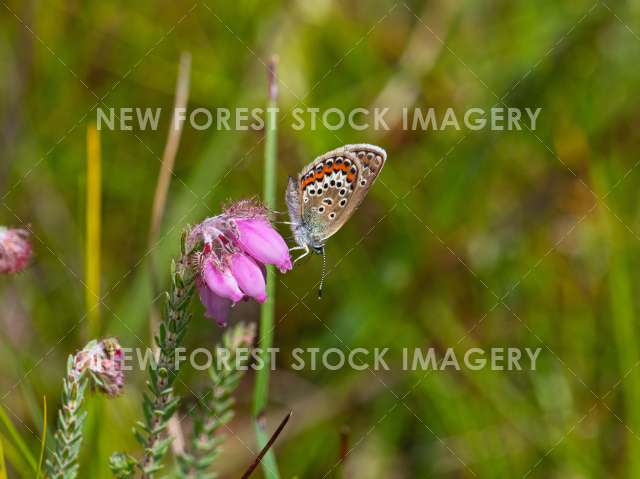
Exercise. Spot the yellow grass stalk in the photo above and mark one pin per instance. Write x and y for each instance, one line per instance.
(93, 225)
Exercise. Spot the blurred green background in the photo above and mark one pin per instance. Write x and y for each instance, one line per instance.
(471, 238)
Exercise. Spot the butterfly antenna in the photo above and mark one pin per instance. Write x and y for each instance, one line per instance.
(324, 272)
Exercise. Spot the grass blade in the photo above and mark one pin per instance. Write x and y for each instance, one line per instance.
(43, 442)
(17, 439)
(623, 324)
(168, 162)
(14, 458)
(92, 276)
(267, 311)
(93, 226)
(3, 467)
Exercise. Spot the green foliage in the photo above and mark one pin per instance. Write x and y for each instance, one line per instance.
(209, 423)
(62, 461)
(457, 220)
(122, 465)
(160, 402)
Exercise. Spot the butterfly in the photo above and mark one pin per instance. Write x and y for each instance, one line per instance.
(327, 193)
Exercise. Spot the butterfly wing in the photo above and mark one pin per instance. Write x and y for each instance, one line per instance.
(330, 188)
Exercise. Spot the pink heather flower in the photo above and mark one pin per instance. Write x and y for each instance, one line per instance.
(216, 308)
(15, 249)
(104, 360)
(221, 282)
(232, 249)
(258, 238)
(249, 277)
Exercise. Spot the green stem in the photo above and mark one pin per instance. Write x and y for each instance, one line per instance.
(63, 461)
(160, 403)
(267, 312)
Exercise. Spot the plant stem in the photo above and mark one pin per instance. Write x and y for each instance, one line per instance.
(63, 463)
(267, 446)
(267, 311)
(160, 403)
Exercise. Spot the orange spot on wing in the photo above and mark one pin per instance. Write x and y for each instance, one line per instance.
(350, 177)
(319, 176)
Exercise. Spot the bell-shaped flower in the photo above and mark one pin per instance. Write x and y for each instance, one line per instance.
(249, 276)
(229, 252)
(258, 238)
(221, 282)
(216, 307)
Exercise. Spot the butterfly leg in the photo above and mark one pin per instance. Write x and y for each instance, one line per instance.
(306, 252)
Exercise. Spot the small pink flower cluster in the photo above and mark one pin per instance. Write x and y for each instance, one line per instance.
(234, 247)
(15, 249)
(104, 360)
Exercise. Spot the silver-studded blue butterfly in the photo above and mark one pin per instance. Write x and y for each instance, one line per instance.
(328, 191)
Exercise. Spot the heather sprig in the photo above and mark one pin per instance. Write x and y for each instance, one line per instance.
(160, 403)
(99, 365)
(226, 373)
